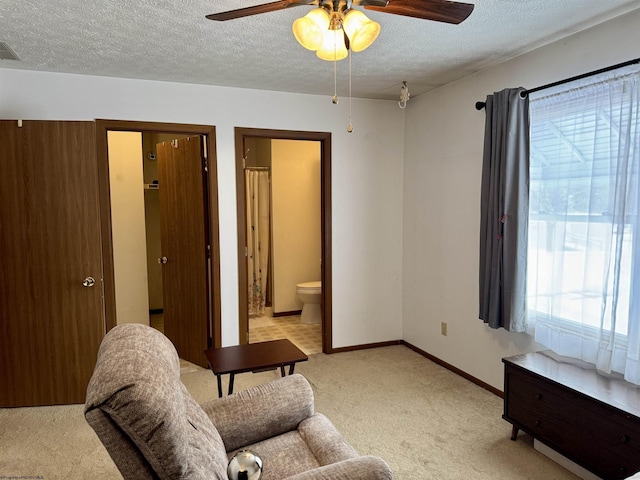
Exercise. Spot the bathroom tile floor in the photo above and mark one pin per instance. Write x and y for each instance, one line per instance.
(307, 338)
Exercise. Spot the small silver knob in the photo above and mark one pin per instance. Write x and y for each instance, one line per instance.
(163, 260)
(245, 465)
(88, 282)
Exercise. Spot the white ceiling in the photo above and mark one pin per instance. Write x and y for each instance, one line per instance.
(172, 40)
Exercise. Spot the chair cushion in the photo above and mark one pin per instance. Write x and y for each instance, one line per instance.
(261, 412)
(283, 456)
(314, 444)
(136, 383)
(359, 468)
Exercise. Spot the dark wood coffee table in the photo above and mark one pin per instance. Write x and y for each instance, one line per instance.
(253, 357)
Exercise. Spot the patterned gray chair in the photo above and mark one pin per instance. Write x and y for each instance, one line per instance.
(153, 428)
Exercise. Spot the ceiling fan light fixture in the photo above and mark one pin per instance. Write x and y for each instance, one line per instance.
(311, 29)
(333, 47)
(361, 30)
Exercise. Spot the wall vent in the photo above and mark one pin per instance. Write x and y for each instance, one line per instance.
(7, 53)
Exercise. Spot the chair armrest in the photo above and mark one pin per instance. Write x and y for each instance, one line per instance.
(359, 468)
(261, 412)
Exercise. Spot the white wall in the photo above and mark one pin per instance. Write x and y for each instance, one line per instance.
(296, 220)
(366, 175)
(128, 227)
(442, 171)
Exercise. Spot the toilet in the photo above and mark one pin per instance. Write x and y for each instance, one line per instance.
(310, 294)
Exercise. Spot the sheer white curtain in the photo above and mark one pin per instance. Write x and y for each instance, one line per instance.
(584, 238)
(258, 234)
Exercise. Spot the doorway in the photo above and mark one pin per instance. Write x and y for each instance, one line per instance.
(248, 167)
(190, 183)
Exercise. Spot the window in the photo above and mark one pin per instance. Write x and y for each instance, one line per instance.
(584, 243)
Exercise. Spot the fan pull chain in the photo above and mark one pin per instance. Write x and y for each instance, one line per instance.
(335, 99)
(350, 126)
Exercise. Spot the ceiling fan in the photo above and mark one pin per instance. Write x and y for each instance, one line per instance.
(436, 10)
(320, 29)
(334, 28)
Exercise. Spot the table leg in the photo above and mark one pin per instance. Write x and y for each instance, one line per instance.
(282, 370)
(219, 378)
(291, 367)
(514, 433)
(232, 376)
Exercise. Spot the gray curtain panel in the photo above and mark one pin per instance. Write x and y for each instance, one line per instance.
(505, 211)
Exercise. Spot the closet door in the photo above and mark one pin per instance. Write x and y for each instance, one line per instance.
(51, 309)
(184, 239)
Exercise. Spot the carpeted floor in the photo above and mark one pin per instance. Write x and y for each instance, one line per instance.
(426, 422)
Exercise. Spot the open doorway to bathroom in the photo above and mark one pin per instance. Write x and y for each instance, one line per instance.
(283, 181)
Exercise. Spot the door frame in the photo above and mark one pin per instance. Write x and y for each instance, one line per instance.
(325, 201)
(104, 194)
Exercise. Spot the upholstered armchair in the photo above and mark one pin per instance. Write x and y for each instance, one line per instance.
(153, 429)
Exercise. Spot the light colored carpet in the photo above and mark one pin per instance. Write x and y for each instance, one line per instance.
(426, 422)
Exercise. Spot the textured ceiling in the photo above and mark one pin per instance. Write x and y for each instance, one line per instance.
(171, 40)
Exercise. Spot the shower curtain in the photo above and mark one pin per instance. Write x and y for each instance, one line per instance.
(258, 234)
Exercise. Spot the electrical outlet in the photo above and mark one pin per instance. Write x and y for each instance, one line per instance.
(443, 328)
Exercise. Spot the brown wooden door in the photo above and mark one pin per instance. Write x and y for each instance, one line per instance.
(184, 238)
(51, 325)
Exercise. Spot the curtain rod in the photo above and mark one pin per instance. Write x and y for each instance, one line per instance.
(481, 105)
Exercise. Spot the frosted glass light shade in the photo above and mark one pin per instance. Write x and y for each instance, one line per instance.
(310, 29)
(333, 47)
(362, 31)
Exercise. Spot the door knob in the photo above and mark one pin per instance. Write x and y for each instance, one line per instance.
(88, 282)
(163, 260)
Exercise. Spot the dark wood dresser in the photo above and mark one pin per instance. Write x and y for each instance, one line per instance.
(592, 419)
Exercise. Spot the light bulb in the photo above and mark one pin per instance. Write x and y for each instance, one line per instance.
(333, 47)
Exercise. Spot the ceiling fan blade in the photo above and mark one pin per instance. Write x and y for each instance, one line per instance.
(255, 10)
(375, 3)
(437, 10)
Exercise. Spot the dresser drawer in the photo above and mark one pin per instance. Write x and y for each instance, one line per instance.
(611, 440)
(545, 413)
